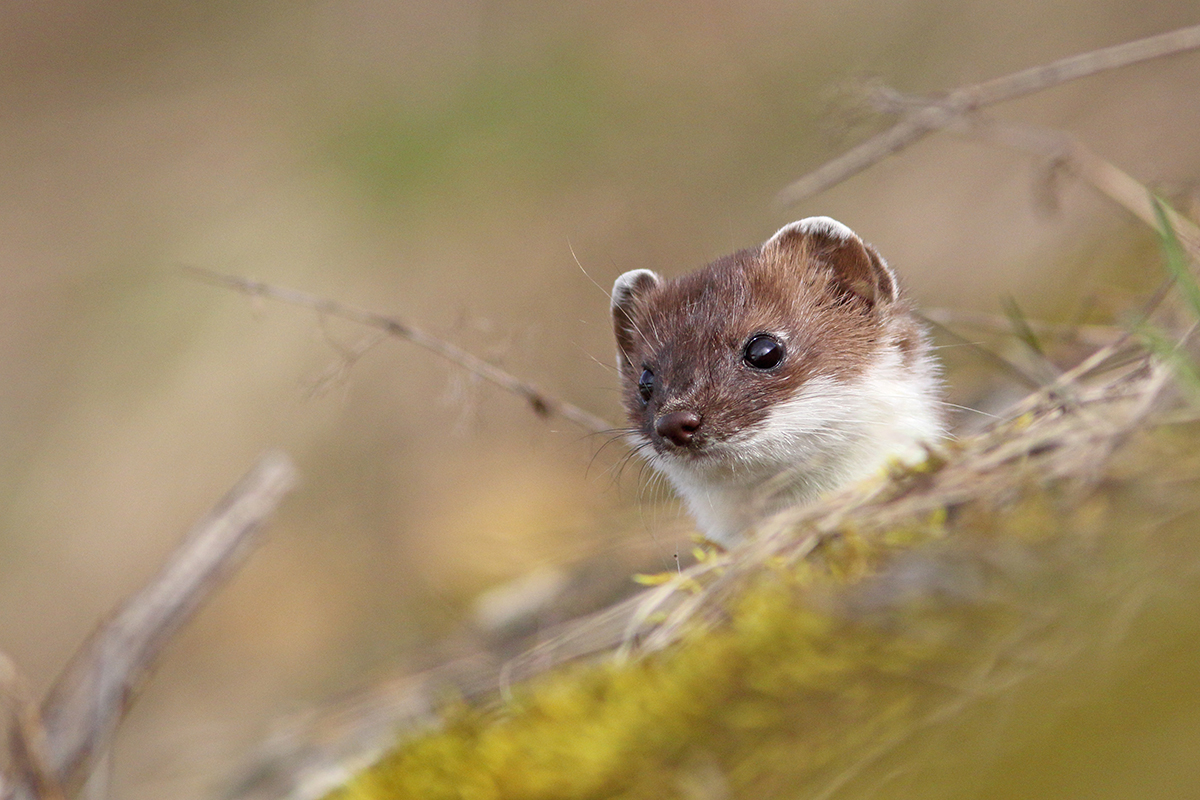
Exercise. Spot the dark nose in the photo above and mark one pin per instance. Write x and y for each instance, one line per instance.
(678, 426)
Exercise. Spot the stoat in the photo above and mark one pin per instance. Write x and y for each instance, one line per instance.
(774, 375)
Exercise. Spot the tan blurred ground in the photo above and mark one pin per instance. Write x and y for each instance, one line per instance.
(446, 162)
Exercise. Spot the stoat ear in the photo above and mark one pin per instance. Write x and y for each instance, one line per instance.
(857, 268)
(627, 289)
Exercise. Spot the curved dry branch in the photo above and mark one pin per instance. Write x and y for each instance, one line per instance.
(90, 697)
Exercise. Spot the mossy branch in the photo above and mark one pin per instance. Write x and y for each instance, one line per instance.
(819, 652)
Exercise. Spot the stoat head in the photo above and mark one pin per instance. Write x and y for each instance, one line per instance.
(754, 364)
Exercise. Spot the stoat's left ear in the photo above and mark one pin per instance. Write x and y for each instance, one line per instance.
(626, 291)
(856, 266)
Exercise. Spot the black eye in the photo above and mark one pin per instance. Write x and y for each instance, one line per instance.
(646, 385)
(763, 351)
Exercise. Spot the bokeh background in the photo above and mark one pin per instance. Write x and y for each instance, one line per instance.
(484, 170)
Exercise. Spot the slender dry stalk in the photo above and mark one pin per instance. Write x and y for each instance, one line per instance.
(917, 124)
(87, 702)
(542, 404)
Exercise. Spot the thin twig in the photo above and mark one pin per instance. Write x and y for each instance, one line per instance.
(347, 357)
(917, 124)
(542, 404)
(90, 697)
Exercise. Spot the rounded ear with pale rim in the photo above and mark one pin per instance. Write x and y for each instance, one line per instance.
(627, 289)
(857, 268)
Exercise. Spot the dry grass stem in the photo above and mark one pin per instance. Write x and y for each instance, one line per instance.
(916, 124)
(541, 403)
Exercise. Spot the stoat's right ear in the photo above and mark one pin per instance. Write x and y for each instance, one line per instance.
(627, 289)
(855, 266)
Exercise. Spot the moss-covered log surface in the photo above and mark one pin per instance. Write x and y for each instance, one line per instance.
(1017, 618)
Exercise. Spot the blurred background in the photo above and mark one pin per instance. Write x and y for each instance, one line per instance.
(484, 170)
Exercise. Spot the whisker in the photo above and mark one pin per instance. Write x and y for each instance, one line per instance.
(594, 360)
(968, 408)
(579, 264)
(615, 435)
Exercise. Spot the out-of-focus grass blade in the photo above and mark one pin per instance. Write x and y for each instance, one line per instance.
(1022, 328)
(1158, 342)
(1177, 261)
